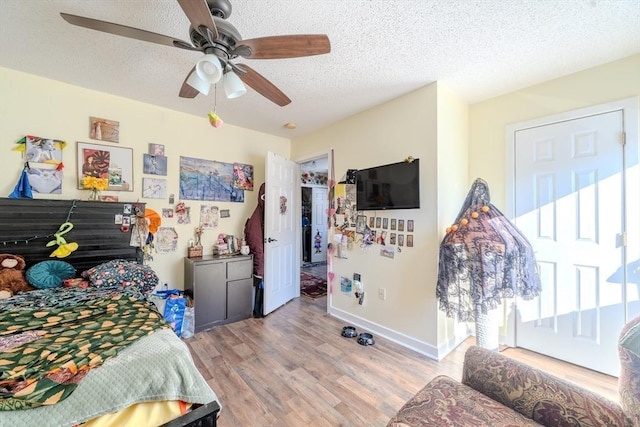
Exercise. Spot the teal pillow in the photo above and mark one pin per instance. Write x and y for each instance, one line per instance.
(49, 274)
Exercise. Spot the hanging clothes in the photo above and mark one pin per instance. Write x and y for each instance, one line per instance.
(254, 234)
(22, 190)
(483, 258)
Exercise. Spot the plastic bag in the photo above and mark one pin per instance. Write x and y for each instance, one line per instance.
(188, 323)
(174, 313)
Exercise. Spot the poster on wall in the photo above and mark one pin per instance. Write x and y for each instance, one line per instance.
(154, 188)
(104, 129)
(41, 150)
(209, 216)
(243, 176)
(45, 181)
(208, 180)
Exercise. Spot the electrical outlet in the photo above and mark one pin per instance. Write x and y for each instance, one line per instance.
(382, 293)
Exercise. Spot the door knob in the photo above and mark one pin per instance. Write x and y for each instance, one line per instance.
(271, 240)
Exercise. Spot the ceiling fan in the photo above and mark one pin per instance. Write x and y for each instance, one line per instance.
(220, 41)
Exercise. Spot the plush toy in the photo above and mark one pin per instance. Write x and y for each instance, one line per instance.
(12, 278)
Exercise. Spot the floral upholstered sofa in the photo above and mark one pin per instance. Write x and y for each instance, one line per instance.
(499, 391)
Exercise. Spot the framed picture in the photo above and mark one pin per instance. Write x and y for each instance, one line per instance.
(393, 223)
(378, 222)
(114, 164)
(409, 240)
(385, 223)
(401, 225)
(410, 226)
(156, 149)
(400, 239)
(104, 130)
(372, 221)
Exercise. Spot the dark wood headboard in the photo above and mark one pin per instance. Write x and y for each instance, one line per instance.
(27, 225)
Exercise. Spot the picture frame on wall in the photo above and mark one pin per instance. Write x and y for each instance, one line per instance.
(105, 161)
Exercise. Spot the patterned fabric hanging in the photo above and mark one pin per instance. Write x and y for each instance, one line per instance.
(483, 258)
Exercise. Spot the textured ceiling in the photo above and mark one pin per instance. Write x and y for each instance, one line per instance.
(381, 49)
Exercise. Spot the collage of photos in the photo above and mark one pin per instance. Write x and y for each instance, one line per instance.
(391, 233)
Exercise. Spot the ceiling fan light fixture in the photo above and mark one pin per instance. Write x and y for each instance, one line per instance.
(233, 86)
(198, 84)
(209, 68)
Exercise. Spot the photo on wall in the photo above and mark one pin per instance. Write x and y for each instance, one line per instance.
(154, 165)
(156, 149)
(104, 129)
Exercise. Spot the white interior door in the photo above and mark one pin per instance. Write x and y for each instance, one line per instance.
(320, 205)
(569, 202)
(282, 230)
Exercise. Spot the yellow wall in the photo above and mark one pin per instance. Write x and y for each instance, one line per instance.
(488, 119)
(47, 108)
(407, 126)
(453, 186)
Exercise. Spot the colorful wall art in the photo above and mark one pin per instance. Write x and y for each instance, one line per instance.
(208, 180)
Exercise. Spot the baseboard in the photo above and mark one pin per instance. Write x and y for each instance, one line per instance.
(429, 350)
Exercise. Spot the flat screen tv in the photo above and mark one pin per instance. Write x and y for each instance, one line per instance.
(393, 186)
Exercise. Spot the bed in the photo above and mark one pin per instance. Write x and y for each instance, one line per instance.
(97, 353)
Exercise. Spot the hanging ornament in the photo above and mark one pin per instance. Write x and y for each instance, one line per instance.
(64, 249)
(214, 119)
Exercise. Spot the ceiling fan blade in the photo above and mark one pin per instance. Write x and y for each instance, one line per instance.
(200, 17)
(276, 47)
(125, 31)
(187, 91)
(261, 85)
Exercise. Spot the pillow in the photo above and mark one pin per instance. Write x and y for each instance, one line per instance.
(49, 274)
(122, 273)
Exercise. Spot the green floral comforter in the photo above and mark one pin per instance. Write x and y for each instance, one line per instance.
(50, 340)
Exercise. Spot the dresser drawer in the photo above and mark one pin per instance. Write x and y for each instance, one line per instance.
(241, 269)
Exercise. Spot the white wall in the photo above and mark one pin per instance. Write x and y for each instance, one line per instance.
(36, 106)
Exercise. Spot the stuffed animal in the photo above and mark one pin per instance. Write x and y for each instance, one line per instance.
(12, 279)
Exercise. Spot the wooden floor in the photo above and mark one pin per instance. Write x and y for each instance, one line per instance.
(293, 368)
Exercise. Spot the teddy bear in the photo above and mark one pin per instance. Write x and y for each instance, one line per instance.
(12, 278)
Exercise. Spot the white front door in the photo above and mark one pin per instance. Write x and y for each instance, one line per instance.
(282, 229)
(570, 203)
(319, 196)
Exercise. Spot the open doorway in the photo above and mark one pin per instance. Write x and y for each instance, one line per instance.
(314, 206)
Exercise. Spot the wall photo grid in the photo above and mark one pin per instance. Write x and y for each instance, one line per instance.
(355, 227)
